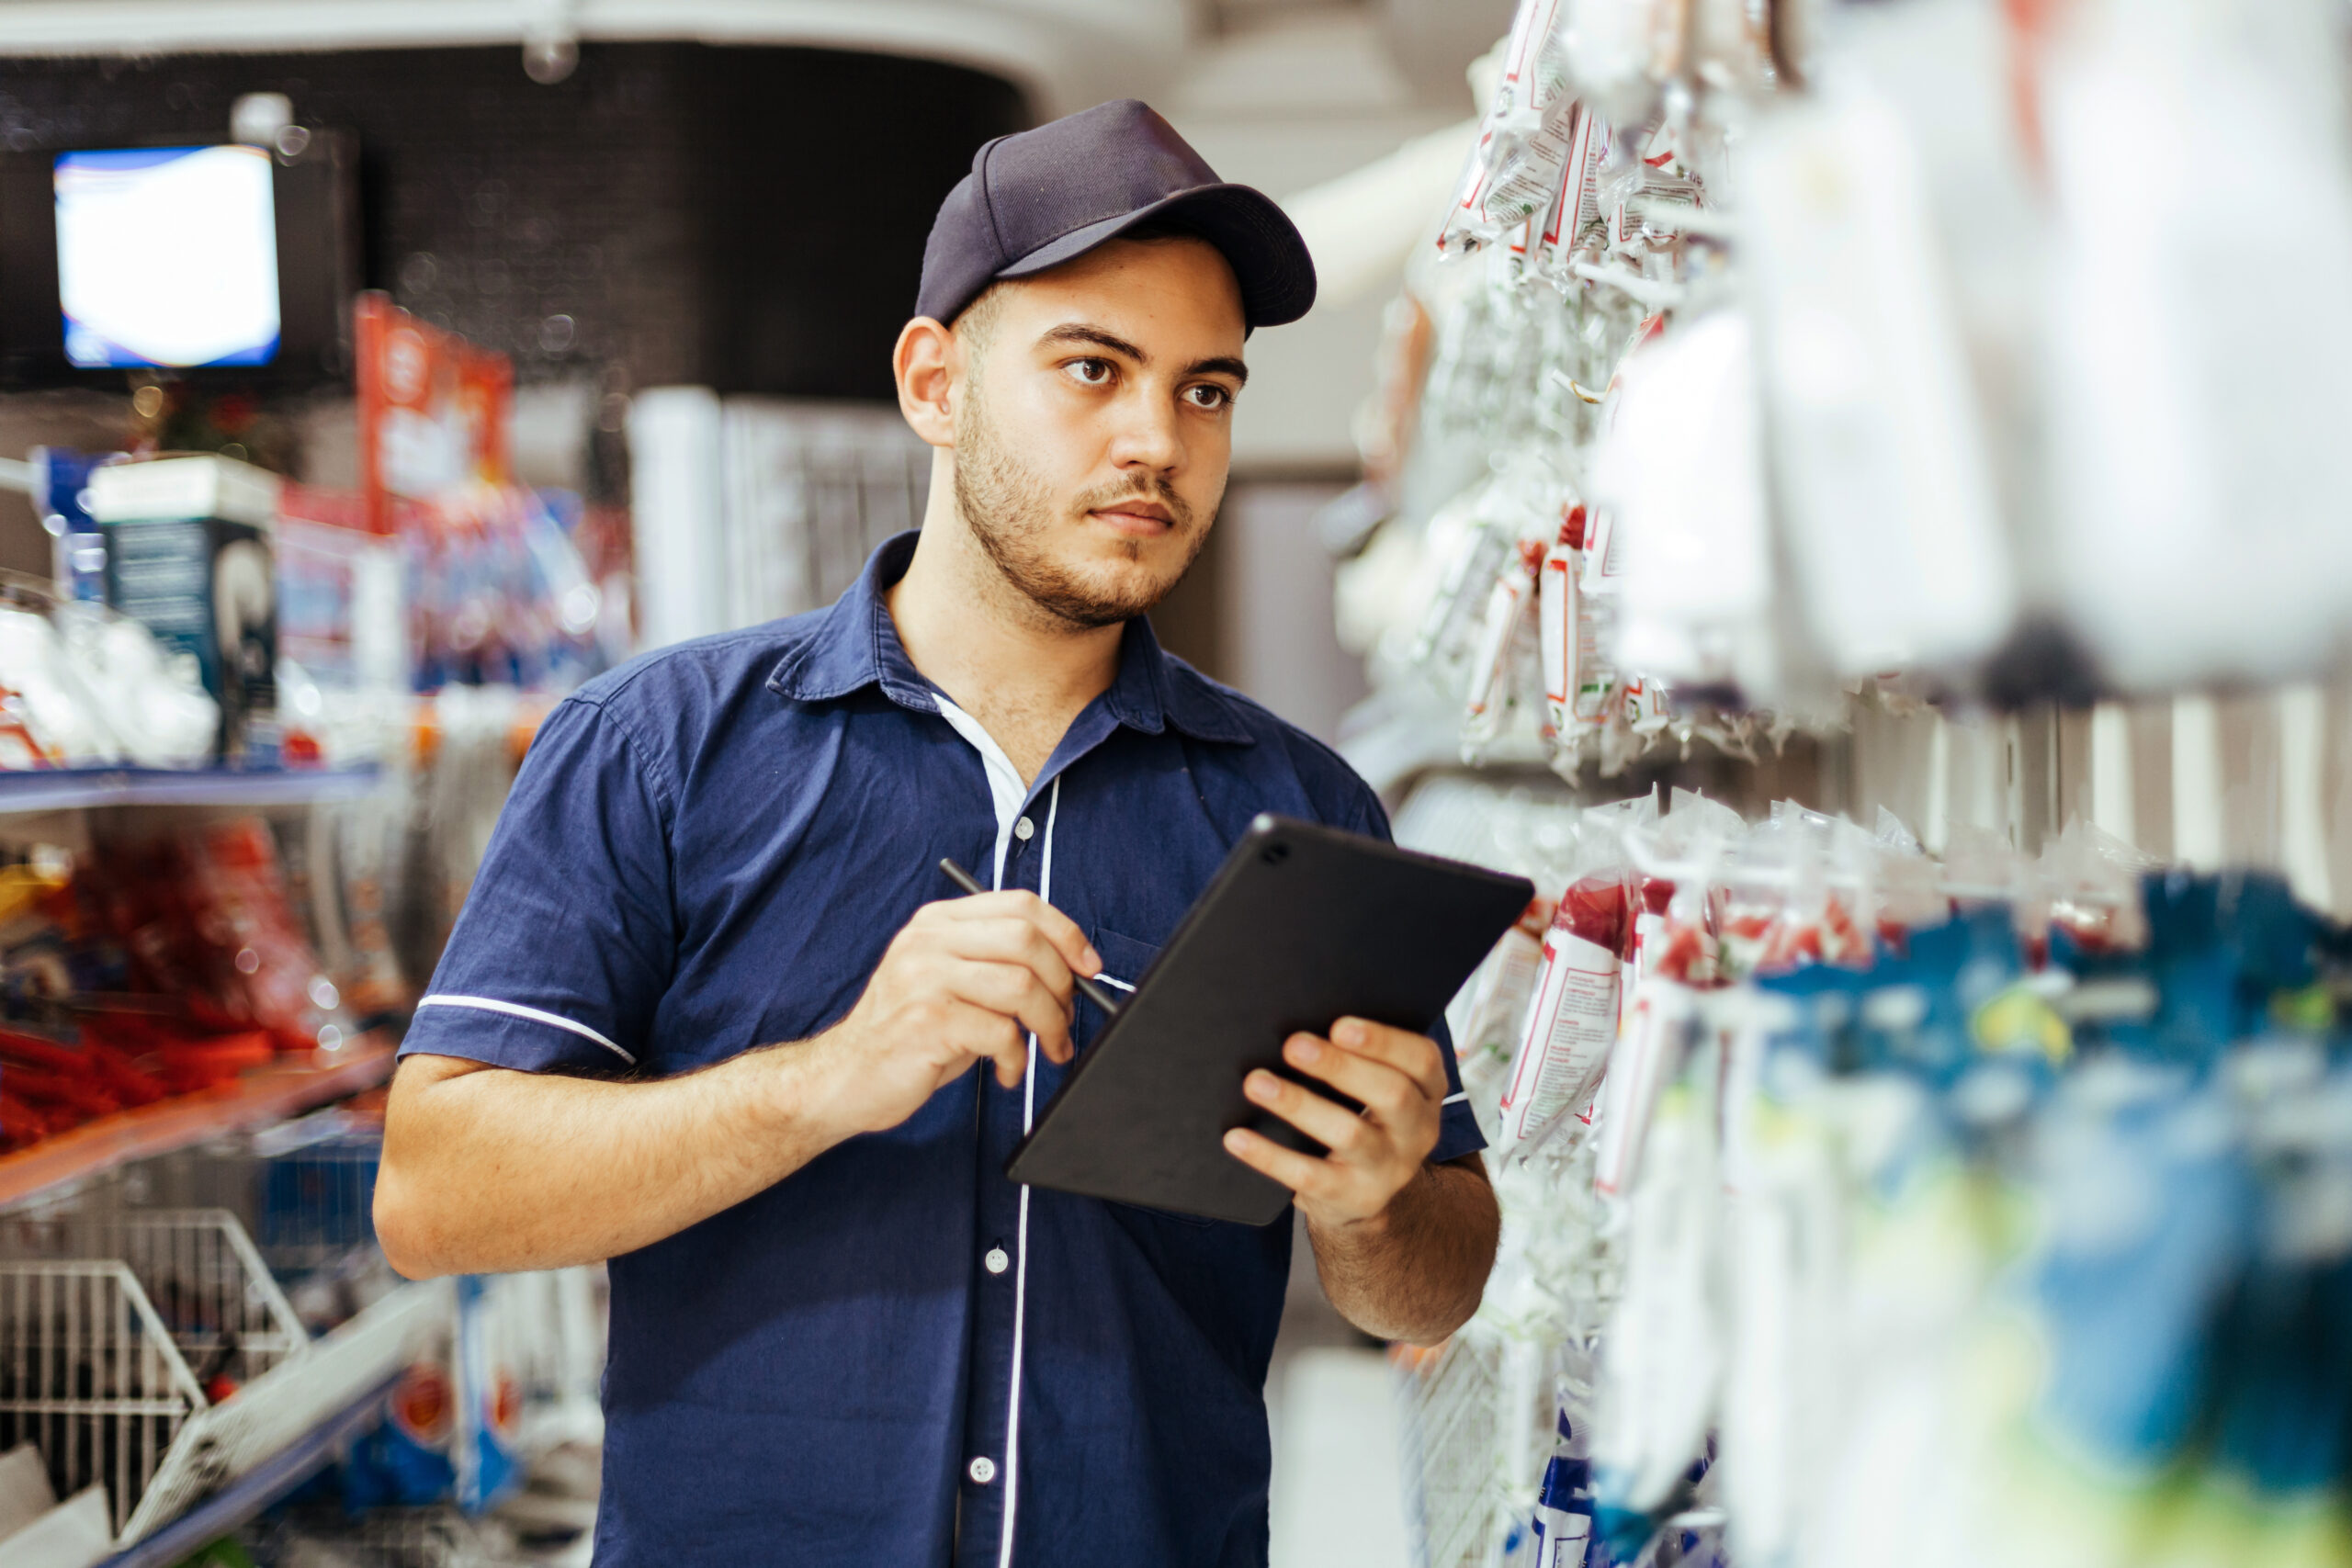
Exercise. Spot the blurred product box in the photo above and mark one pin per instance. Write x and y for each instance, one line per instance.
(341, 598)
(189, 543)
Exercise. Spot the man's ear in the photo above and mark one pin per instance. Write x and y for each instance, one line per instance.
(927, 363)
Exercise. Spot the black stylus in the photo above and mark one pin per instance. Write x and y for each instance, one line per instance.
(1086, 986)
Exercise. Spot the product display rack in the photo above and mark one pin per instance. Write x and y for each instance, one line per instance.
(242, 1458)
(258, 1098)
(77, 789)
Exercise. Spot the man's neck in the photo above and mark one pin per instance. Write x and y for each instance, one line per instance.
(1022, 673)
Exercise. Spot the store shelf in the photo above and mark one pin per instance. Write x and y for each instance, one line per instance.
(245, 1498)
(70, 789)
(268, 1095)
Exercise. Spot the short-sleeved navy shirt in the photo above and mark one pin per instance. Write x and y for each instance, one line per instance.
(895, 1355)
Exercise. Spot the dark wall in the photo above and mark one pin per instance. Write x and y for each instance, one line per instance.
(752, 219)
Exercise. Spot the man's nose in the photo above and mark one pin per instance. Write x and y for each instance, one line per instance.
(1147, 435)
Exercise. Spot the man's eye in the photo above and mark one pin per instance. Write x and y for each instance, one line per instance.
(1092, 372)
(1208, 396)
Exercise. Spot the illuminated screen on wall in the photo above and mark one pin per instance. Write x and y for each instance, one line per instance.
(168, 256)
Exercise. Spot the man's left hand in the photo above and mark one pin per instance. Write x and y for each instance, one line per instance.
(1400, 1079)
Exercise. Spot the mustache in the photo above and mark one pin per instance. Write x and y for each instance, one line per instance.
(1149, 489)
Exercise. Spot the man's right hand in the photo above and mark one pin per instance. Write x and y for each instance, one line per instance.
(960, 984)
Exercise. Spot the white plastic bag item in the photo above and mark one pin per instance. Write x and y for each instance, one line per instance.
(1461, 550)
(1881, 460)
(158, 709)
(1497, 999)
(1662, 1021)
(1681, 466)
(1494, 656)
(1621, 51)
(49, 702)
(2199, 394)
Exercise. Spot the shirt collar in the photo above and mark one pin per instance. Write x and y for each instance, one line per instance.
(855, 643)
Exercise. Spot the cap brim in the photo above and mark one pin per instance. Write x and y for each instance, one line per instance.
(1257, 237)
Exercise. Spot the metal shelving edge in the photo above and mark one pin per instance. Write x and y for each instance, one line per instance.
(246, 1496)
(75, 789)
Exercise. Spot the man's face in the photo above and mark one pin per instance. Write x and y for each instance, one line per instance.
(1096, 424)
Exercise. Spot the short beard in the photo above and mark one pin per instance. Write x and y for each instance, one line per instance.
(1009, 510)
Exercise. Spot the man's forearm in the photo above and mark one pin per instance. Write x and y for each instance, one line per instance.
(490, 1171)
(1417, 1271)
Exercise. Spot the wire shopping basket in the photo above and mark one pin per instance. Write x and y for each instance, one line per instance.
(91, 1377)
(153, 1351)
(1451, 1404)
(200, 1272)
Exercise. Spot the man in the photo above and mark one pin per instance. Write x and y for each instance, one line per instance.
(711, 1014)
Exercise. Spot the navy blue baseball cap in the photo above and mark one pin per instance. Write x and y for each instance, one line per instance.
(1040, 198)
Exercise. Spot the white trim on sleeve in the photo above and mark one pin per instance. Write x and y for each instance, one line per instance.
(517, 1010)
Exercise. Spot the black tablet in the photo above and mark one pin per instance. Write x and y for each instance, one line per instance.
(1303, 925)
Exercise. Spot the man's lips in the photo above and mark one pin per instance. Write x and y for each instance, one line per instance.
(1136, 517)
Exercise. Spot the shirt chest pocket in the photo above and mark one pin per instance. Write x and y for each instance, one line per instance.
(1125, 962)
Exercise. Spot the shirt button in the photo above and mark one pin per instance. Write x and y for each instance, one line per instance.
(997, 1261)
(983, 1470)
(1025, 830)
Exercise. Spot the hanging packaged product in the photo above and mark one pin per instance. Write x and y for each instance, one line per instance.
(1559, 620)
(1662, 1021)
(1572, 1024)
(1621, 51)
(1501, 988)
(1880, 459)
(1465, 551)
(1580, 662)
(1681, 464)
(2198, 482)
(1662, 1358)
(1563, 1525)
(1502, 648)
(1671, 962)
(1576, 205)
(1648, 706)
(1523, 140)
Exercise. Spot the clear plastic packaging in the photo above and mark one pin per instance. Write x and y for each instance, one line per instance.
(1513, 175)
(1571, 1026)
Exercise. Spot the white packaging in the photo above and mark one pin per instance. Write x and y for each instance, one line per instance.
(1571, 1028)
(1495, 656)
(1513, 173)
(2200, 379)
(1884, 482)
(1661, 1017)
(1556, 622)
(1622, 51)
(1662, 1356)
(1681, 464)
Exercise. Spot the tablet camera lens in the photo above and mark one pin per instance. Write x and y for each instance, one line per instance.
(1274, 854)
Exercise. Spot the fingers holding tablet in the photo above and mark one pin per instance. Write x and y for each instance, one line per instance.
(1399, 1078)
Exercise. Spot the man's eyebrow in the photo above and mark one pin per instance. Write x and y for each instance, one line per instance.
(1079, 332)
(1095, 337)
